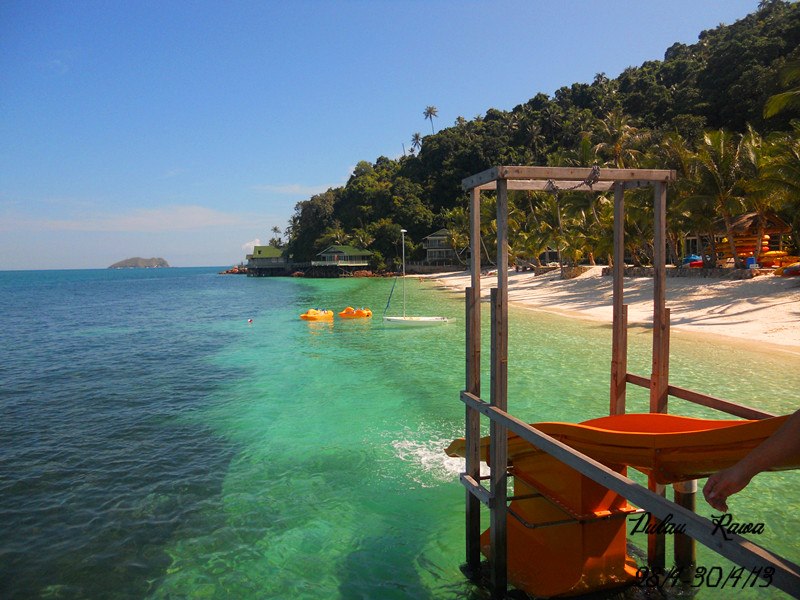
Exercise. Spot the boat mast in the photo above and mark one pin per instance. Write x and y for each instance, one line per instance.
(403, 235)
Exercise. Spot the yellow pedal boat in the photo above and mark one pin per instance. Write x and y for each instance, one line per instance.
(314, 314)
(355, 313)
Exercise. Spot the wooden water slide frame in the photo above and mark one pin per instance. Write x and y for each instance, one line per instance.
(501, 180)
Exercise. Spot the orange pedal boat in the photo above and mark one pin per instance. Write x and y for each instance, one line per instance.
(314, 314)
(355, 313)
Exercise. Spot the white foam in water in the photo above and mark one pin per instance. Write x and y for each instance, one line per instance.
(434, 466)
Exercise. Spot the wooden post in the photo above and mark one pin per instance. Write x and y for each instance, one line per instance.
(619, 332)
(473, 385)
(684, 546)
(659, 379)
(498, 537)
(656, 543)
(475, 239)
(473, 435)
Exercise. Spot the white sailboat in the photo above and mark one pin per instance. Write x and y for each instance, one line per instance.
(408, 321)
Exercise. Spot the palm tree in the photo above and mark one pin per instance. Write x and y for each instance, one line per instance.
(457, 224)
(618, 140)
(416, 141)
(333, 235)
(276, 241)
(782, 171)
(673, 152)
(429, 113)
(763, 197)
(362, 238)
(719, 178)
(790, 99)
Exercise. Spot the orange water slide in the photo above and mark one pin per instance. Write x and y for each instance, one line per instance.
(668, 447)
(568, 534)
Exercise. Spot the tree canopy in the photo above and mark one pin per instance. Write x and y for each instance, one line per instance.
(700, 110)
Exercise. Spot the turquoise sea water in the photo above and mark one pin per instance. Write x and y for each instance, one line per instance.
(154, 444)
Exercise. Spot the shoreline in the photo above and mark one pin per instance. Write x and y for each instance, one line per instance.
(762, 312)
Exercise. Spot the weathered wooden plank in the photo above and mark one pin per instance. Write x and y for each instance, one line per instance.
(684, 550)
(498, 453)
(473, 385)
(479, 178)
(473, 434)
(539, 185)
(619, 363)
(619, 332)
(643, 176)
(726, 406)
(637, 380)
(475, 239)
(786, 576)
(580, 174)
(738, 410)
(656, 542)
(476, 490)
(659, 379)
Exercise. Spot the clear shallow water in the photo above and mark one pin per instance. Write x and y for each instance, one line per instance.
(155, 444)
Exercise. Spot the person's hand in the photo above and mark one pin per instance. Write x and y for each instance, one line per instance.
(723, 484)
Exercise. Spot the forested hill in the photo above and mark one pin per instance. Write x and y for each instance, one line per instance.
(719, 83)
(140, 263)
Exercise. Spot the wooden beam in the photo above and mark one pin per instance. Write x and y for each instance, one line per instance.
(566, 174)
(540, 185)
(498, 459)
(502, 240)
(475, 239)
(473, 385)
(476, 490)
(619, 363)
(619, 330)
(743, 552)
(581, 174)
(498, 536)
(684, 550)
(472, 427)
(473, 341)
(479, 178)
(726, 406)
(659, 379)
(732, 408)
(656, 542)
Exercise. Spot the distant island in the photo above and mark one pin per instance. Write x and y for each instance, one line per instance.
(140, 263)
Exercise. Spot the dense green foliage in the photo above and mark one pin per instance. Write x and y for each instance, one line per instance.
(699, 111)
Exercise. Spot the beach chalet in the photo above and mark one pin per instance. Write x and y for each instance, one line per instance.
(343, 256)
(338, 260)
(438, 249)
(267, 261)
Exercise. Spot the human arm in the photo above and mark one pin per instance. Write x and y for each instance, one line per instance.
(785, 441)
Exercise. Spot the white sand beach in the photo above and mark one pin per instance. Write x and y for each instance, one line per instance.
(764, 309)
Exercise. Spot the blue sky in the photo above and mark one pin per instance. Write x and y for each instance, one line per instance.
(187, 130)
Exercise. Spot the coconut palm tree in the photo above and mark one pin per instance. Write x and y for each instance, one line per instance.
(790, 99)
(429, 113)
(416, 141)
(618, 140)
(361, 238)
(333, 235)
(782, 172)
(719, 178)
